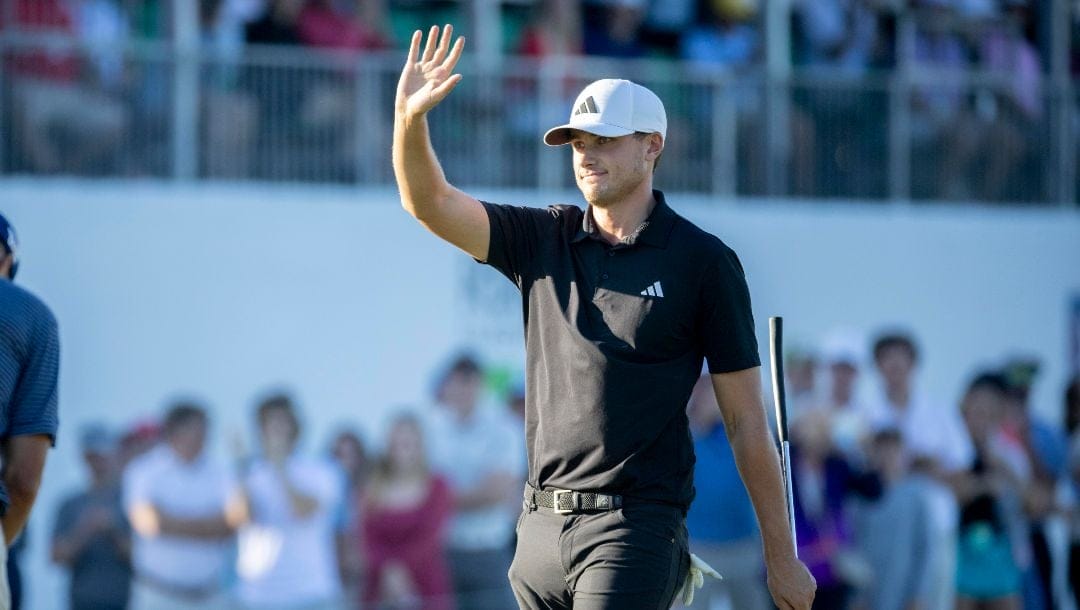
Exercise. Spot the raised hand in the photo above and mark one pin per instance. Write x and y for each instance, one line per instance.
(427, 79)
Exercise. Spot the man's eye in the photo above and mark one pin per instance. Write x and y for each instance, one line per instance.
(602, 140)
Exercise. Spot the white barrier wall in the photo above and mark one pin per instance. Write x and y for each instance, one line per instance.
(223, 291)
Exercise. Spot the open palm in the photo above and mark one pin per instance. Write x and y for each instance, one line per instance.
(427, 79)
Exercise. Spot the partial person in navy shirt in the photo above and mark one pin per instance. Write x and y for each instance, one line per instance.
(721, 521)
(29, 365)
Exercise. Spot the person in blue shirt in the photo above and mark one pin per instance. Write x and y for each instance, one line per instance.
(723, 528)
(29, 364)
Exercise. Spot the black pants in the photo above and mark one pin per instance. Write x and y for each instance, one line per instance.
(628, 559)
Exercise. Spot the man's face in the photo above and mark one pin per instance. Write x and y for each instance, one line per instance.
(278, 433)
(462, 391)
(895, 363)
(982, 410)
(608, 169)
(843, 378)
(188, 439)
(99, 463)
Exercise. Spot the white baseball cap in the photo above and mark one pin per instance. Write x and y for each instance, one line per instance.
(612, 107)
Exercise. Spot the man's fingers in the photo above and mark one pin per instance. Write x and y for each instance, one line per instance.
(438, 93)
(444, 43)
(414, 47)
(455, 54)
(432, 41)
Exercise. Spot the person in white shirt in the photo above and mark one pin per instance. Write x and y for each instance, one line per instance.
(929, 427)
(184, 509)
(842, 353)
(287, 551)
(482, 455)
(930, 431)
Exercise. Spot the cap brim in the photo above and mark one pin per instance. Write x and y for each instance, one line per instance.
(557, 136)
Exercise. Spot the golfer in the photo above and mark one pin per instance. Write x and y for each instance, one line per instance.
(622, 303)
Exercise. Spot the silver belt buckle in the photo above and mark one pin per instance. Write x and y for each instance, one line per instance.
(555, 502)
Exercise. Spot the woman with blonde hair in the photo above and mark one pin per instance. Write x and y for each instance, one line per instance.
(405, 512)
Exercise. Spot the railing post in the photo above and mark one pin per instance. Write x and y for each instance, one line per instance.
(1062, 180)
(185, 114)
(900, 91)
(778, 95)
(725, 136)
(370, 143)
(549, 76)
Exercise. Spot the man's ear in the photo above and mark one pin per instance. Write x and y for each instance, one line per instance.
(655, 145)
(6, 261)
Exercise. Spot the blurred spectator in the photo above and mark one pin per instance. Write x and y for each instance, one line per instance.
(62, 121)
(800, 372)
(727, 42)
(1072, 425)
(479, 452)
(991, 137)
(822, 483)
(990, 494)
(184, 508)
(896, 532)
(667, 21)
(91, 536)
(327, 24)
(406, 510)
(928, 427)
(1045, 448)
(835, 128)
(612, 28)
(279, 23)
(554, 30)
(1015, 114)
(842, 353)
(350, 454)
(729, 39)
(837, 36)
(932, 431)
(942, 122)
(229, 113)
(721, 521)
(287, 550)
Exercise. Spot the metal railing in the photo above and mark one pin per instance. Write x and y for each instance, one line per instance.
(298, 115)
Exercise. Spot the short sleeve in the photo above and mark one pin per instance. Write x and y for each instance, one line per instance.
(34, 401)
(727, 321)
(136, 485)
(516, 235)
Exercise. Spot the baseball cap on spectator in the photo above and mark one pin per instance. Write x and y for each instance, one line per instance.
(843, 347)
(1020, 373)
(612, 107)
(96, 439)
(10, 243)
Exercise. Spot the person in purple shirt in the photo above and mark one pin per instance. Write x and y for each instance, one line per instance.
(29, 364)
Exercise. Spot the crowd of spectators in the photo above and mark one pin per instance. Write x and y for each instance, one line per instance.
(902, 500)
(89, 109)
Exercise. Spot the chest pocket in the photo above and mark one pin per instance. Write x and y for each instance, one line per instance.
(644, 326)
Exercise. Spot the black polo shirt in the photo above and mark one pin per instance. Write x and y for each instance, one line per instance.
(615, 337)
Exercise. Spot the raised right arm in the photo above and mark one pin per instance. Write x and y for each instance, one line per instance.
(425, 193)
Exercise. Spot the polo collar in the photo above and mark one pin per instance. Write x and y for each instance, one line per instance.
(655, 231)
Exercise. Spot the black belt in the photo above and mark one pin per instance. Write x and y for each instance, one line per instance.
(567, 502)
